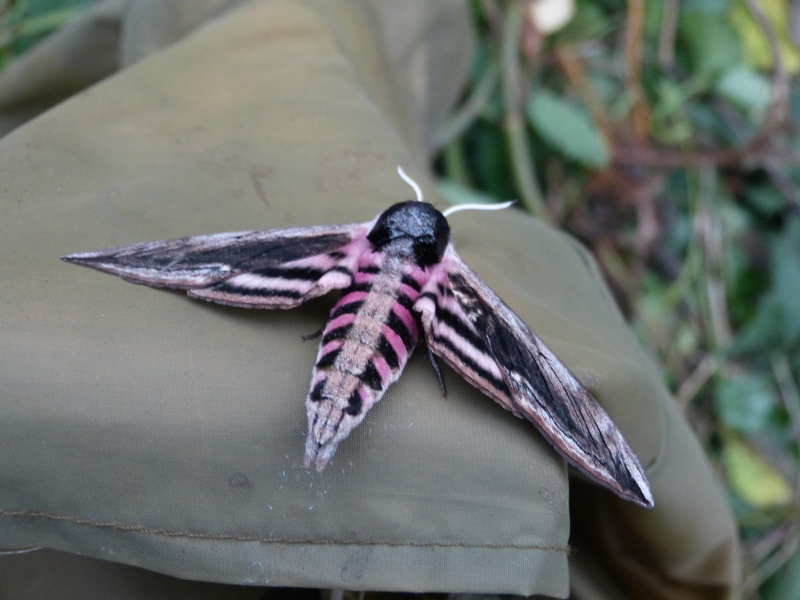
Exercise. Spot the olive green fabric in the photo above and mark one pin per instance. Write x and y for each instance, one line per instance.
(52, 575)
(142, 427)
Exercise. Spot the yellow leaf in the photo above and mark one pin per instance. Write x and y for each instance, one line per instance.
(756, 48)
(754, 479)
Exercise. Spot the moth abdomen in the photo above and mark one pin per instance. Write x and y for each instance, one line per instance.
(367, 341)
(349, 307)
(354, 403)
(328, 357)
(372, 378)
(316, 392)
(404, 329)
(388, 352)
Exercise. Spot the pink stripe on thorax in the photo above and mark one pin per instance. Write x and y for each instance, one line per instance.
(409, 291)
(369, 259)
(340, 321)
(419, 275)
(351, 297)
(361, 277)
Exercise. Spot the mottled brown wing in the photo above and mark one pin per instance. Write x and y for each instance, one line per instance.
(279, 268)
(478, 335)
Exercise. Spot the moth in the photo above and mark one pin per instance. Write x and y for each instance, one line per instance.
(400, 280)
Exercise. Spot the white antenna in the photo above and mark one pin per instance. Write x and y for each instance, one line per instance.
(459, 207)
(410, 182)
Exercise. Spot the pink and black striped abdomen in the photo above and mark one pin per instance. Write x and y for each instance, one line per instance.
(367, 341)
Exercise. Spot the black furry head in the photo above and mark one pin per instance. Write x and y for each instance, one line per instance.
(419, 222)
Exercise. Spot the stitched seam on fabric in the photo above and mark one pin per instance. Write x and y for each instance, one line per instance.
(31, 514)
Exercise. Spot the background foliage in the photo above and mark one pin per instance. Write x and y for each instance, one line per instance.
(24, 22)
(664, 136)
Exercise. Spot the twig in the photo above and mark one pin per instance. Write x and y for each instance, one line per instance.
(634, 36)
(768, 543)
(692, 385)
(757, 151)
(728, 157)
(772, 565)
(783, 183)
(790, 395)
(458, 123)
(455, 163)
(494, 18)
(521, 159)
(711, 235)
(573, 68)
(5, 7)
(666, 37)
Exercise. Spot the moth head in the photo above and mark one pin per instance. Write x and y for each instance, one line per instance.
(417, 223)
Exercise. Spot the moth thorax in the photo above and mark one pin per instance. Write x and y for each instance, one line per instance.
(419, 225)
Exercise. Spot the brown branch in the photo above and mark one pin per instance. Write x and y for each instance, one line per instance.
(696, 380)
(727, 157)
(782, 181)
(709, 230)
(666, 37)
(756, 152)
(464, 116)
(634, 38)
(494, 18)
(576, 73)
(513, 121)
(782, 371)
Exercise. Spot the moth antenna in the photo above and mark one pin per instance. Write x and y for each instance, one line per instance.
(411, 182)
(458, 207)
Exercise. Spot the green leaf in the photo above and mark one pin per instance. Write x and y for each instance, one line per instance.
(745, 402)
(711, 43)
(748, 90)
(717, 7)
(756, 45)
(608, 88)
(567, 128)
(47, 22)
(706, 118)
(785, 585)
(752, 477)
(588, 23)
(785, 289)
(765, 199)
(488, 159)
(777, 319)
(669, 122)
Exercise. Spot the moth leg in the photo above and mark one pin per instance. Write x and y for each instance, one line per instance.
(313, 336)
(439, 376)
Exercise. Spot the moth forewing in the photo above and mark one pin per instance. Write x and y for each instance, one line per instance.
(478, 335)
(200, 261)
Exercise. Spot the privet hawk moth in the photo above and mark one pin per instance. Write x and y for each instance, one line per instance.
(401, 280)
